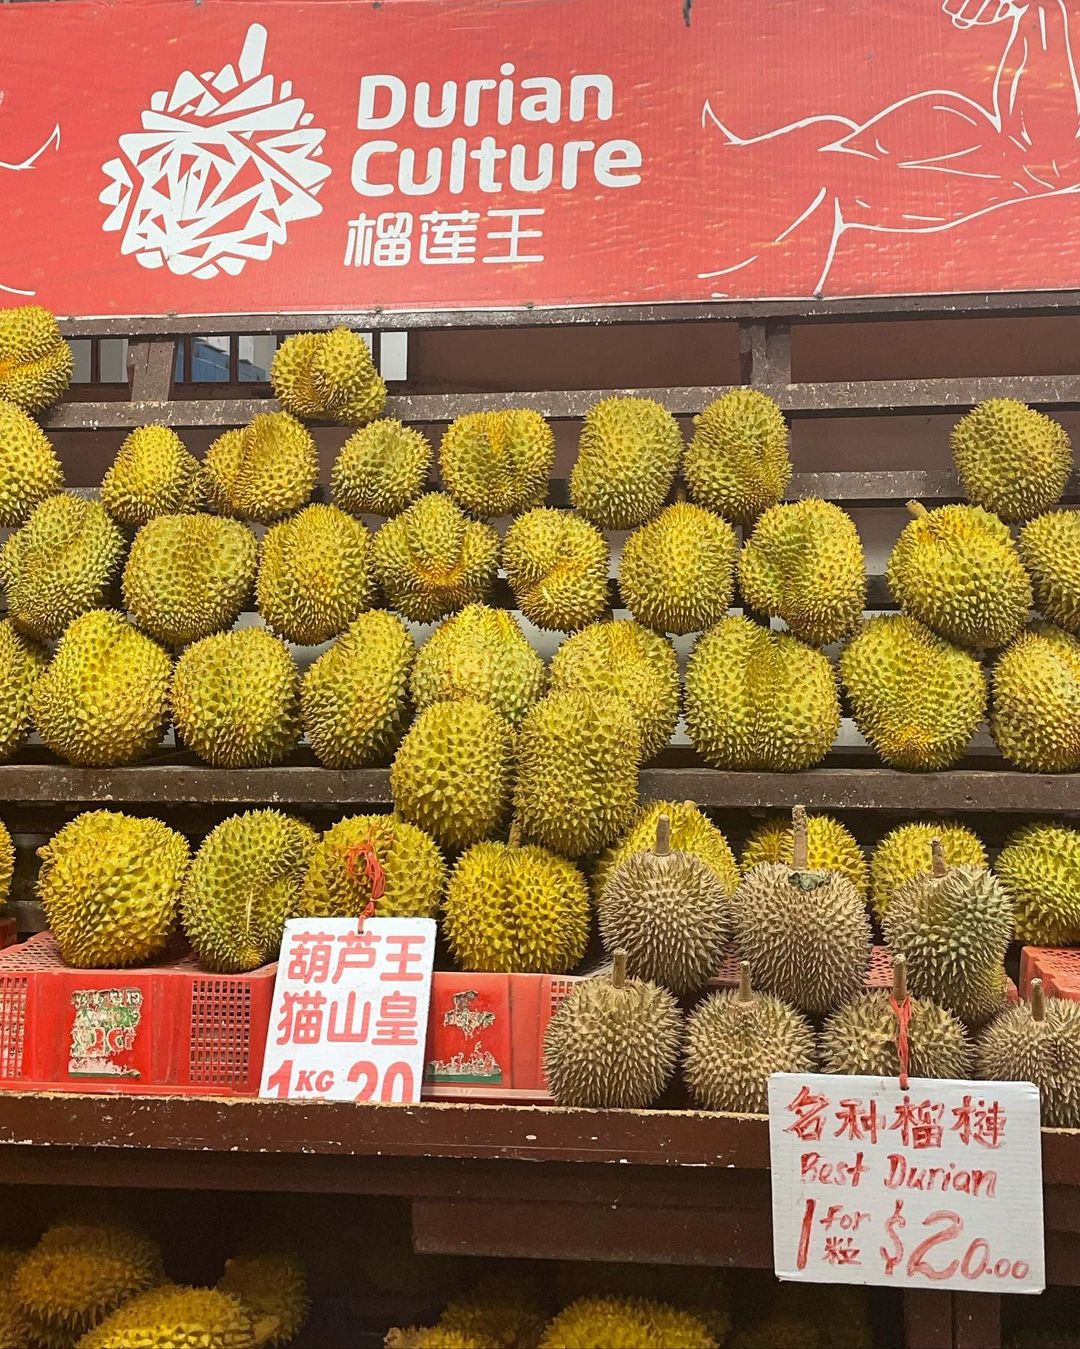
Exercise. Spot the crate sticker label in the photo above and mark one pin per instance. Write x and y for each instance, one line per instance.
(103, 1031)
(350, 1010)
(938, 1185)
(463, 1036)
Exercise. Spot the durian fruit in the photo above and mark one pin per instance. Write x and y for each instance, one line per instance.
(957, 570)
(577, 772)
(691, 832)
(263, 471)
(735, 1039)
(189, 576)
(1035, 712)
(453, 772)
(829, 847)
(172, 1316)
(513, 909)
(272, 1287)
(628, 455)
(36, 364)
(381, 470)
(1050, 550)
(501, 1311)
(557, 566)
(677, 572)
(314, 575)
(625, 659)
(626, 1323)
(479, 653)
(954, 925)
(431, 560)
(104, 699)
(7, 871)
(338, 884)
(757, 699)
(613, 1043)
(917, 699)
(354, 698)
(497, 463)
(243, 886)
(1037, 1042)
(1040, 868)
(860, 1038)
(29, 468)
(1012, 460)
(905, 852)
(737, 463)
(152, 474)
(236, 699)
(21, 664)
(329, 375)
(804, 564)
(110, 884)
(59, 564)
(805, 933)
(430, 1337)
(668, 912)
(16, 1331)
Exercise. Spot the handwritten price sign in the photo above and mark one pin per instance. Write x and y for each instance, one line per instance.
(350, 1010)
(935, 1186)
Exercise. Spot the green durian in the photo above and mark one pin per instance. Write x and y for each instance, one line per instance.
(479, 653)
(152, 475)
(29, 468)
(104, 699)
(1012, 460)
(628, 455)
(236, 699)
(1050, 549)
(557, 566)
(1040, 868)
(691, 832)
(757, 699)
(829, 847)
(629, 661)
(804, 564)
(432, 561)
(110, 884)
(172, 1316)
(243, 886)
(354, 698)
(271, 1287)
(263, 471)
(1037, 1043)
(957, 570)
(905, 853)
(917, 699)
(59, 564)
(737, 463)
(677, 572)
(328, 375)
(36, 364)
(339, 886)
(381, 470)
(453, 772)
(189, 576)
(860, 1040)
(21, 664)
(497, 463)
(577, 772)
(1035, 713)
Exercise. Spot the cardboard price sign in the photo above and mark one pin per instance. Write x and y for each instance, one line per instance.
(350, 1010)
(938, 1185)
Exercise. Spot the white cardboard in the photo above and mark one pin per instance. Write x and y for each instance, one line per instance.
(931, 1187)
(350, 1010)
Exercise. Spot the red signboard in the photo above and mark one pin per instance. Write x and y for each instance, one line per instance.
(233, 157)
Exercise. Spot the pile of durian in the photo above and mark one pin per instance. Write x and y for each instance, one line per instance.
(89, 1284)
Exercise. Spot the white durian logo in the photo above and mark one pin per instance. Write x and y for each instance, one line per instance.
(224, 163)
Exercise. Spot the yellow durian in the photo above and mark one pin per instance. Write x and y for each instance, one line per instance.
(497, 463)
(1012, 460)
(329, 375)
(737, 463)
(263, 471)
(1035, 688)
(152, 474)
(29, 468)
(628, 455)
(691, 832)
(1050, 549)
(479, 653)
(677, 572)
(36, 364)
(905, 852)
(557, 566)
(829, 847)
(21, 663)
(431, 560)
(338, 884)
(381, 469)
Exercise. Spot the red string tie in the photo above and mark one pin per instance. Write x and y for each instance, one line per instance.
(364, 854)
(903, 1017)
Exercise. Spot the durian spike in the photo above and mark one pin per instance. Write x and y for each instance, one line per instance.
(1038, 1001)
(663, 836)
(514, 838)
(618, 969)
(800, 842)
(745, 992)
(917, 509)
(899, 978)
(937, 852)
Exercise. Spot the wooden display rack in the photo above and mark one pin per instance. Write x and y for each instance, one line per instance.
(657, 1186)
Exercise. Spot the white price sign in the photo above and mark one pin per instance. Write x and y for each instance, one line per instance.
(350, 1010)
(935, 1186)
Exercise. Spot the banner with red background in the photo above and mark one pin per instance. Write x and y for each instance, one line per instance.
(231, 157)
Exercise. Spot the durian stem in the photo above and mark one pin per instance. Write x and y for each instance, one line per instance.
(937, 852)
(1038, 1001)
(618, 969)
(917, 509)
(663, 836)
(514, 837)
(800, 843)
(899, 978)
(745, 992)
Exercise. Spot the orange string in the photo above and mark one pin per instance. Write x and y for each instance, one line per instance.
(373, 874)
(903, 1017)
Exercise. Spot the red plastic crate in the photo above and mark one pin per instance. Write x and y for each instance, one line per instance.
(9, 933)
(1057, 966)
(170, 1029)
